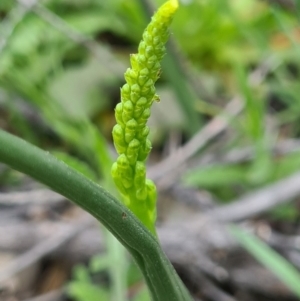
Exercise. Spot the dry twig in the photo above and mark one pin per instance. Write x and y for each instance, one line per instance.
(56, 295)
(40, 250)
(39, 197)
(260, 201)
(215, 127)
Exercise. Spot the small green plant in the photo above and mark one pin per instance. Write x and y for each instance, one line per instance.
(85, 287)
(130, 134)
(133, 146)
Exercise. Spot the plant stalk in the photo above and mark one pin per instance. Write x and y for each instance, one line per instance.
(162, 280)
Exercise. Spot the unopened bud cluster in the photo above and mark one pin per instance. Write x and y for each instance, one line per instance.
(130, 134)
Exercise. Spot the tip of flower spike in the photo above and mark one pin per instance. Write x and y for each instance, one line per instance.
(169, 7)
(174, 3)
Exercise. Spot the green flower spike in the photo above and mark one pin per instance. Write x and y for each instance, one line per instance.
(130, 134)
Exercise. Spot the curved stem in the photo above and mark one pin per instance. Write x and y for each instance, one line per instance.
(163, 282)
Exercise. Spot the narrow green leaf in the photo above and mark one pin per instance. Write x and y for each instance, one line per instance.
(253, 106)
(161, 278)
(77, 164)
(287, 273)
(215, 176)
(83, 291)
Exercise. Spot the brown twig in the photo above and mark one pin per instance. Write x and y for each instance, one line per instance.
(39, 196)
(260, 201)
(215, 127)
(211, 130)
(239, 155)
(206, 287)
(56, 295)
(40, 250)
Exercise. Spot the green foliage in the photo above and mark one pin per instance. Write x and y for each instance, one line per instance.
(286, 212)
(82, 289)
(216, 176)
(224, 179)
(87, 194)
(39, 71)
(287, 273)
(76, 164)
(83, 286)
(73, 87)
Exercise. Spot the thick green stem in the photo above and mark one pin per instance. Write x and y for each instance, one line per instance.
(163, 282)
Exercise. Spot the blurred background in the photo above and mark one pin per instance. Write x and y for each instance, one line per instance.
(225, 158)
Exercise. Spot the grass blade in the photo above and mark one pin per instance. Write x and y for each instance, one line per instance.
(287, 273)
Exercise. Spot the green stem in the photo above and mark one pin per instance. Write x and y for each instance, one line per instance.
(117, 268)
(163, 282)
